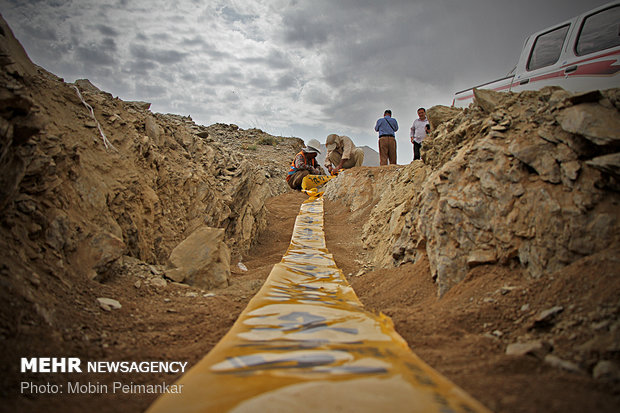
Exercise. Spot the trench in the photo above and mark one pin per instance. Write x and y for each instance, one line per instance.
(306, 343)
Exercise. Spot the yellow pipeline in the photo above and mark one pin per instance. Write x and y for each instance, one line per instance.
(306, 344)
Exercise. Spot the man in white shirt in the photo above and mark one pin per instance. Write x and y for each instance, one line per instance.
(418, 132)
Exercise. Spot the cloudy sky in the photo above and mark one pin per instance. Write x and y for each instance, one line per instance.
(303, 68)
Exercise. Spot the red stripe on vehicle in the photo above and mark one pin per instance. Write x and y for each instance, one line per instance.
(547, 76)
(612, 53)
(605, 67)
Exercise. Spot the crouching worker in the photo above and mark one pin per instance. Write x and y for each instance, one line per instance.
(342, 153)
(305, 173)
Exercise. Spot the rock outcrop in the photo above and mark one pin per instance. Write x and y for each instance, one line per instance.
(88, 180)
(526, 179)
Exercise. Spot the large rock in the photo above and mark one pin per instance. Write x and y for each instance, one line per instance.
(487, 99)
(440, 114)
(607, 163)
(86, 85)
(94, 255)
(536, 348)
(202, 259)
(597, 123)
(139, 105)
(153, 130)
(539, 155)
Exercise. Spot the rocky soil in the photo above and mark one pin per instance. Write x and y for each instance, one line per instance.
(496, 256)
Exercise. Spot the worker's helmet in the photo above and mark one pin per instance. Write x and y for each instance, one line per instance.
(312, 146)
(330, 142)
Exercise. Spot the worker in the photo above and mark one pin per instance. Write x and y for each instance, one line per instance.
(342, 153)
(306, 173)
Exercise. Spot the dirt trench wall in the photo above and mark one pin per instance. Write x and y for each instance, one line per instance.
(528, 179)
(78, 193)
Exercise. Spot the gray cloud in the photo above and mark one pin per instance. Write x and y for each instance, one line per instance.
(232, 15)
(298, 29)
(230, 97)
(162, 56)
(231, 76)
(94, 56)
(196, 40)
(275, 60)
(43, 33)
(108, 45)
(287, 81)
(330, 66)
(107, 30)
(150, 91)
(260, 81)
(317, 97)
(139, 67)
(190, 77)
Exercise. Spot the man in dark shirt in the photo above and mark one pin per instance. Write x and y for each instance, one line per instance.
(387, 127)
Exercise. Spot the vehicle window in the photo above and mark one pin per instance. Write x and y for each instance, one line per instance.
(547, 48)
(599, 31)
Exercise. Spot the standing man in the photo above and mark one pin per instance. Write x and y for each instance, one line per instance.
(342, 153)
(419, 129)
(387, 127)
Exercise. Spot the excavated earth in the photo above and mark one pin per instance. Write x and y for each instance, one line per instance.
(497, 256)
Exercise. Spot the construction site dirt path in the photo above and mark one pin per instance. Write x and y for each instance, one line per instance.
(183, 323)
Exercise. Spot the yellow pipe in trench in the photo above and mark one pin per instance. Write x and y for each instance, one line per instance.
(306, 344)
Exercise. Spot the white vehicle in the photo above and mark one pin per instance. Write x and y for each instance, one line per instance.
(580, 54)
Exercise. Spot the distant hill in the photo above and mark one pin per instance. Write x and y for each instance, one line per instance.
(371, 157)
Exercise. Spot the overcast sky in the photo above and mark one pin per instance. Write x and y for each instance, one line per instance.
(303, 68)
